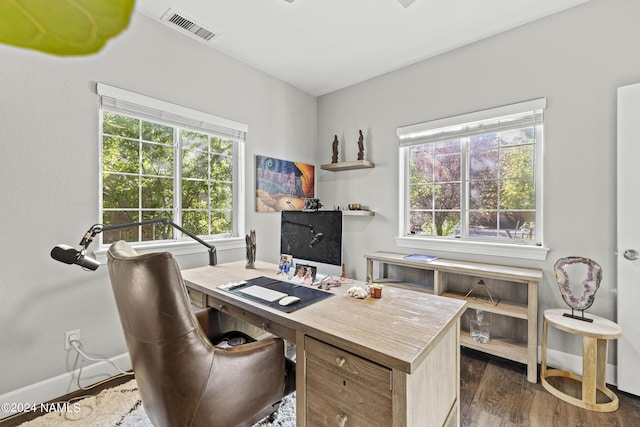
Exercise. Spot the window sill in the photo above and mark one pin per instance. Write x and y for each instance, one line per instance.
(521, 251)
(182, 247)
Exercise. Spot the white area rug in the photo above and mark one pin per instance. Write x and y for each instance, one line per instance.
(121, 406)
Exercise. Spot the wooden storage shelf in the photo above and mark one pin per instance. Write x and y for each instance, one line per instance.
(516, 287)
(498, 347)
(505, 308)
(358, 213)
(345, 166)
(404, 285)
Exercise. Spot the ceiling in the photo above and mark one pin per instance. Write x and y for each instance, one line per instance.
(321, 46)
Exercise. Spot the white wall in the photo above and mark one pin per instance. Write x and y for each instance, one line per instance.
(576, 59)
(49, 155)
(49, 177)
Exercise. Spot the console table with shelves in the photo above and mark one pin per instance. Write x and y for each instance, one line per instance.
(514, 319)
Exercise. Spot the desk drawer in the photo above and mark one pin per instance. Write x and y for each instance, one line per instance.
(198, 299)
(349, 364)
(343, 389)
(265, 324)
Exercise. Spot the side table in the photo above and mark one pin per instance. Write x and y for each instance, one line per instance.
(595, 336)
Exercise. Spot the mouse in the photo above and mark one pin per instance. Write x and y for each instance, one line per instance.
(288, 300)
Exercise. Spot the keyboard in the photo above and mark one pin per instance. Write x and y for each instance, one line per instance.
(263, 293)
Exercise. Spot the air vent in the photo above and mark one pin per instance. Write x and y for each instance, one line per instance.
(174, 18)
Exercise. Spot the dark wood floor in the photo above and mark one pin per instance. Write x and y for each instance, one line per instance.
(494, 392)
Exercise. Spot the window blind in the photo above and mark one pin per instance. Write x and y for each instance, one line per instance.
(528, 113)
(129, 103)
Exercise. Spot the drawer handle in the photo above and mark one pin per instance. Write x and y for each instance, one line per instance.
(266, 326)
(341, 420)
(222, 307)
(340, 361)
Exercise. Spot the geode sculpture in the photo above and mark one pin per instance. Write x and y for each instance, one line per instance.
(578, 280)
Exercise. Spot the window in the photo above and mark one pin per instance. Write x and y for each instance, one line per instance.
(159, 160)
(475, 177)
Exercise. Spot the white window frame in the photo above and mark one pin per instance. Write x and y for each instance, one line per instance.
(422, 132)
(124, 102)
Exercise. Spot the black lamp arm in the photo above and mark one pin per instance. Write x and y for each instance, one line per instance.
(99, 228)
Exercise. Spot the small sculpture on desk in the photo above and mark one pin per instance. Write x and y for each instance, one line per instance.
(251, 249)
(361, 146)
(334, 158)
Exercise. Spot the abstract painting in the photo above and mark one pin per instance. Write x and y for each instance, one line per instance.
(282, 185)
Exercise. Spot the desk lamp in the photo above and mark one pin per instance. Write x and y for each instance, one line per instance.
(70, 255)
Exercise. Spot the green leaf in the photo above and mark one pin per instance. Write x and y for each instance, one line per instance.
(63, 27)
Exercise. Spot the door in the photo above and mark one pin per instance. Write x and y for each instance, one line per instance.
(628, 246)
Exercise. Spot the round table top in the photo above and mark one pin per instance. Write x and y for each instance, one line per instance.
(600, 328)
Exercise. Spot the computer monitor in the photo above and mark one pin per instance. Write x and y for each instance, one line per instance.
(313, 238)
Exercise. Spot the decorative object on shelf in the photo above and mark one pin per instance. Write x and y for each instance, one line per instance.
(354, 209)
(334, 158)
(312, 204)
(360, 146)
(487, 291)
(479, 328)
(282, 185)
(578, 296)
(251, 249)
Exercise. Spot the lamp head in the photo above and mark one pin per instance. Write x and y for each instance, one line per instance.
(70, 255)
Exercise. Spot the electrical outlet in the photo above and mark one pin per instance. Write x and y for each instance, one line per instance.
(71, 336)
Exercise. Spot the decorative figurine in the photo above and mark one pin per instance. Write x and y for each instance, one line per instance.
(578, 280)
(334, 158)
(361, 146)
(251, 249)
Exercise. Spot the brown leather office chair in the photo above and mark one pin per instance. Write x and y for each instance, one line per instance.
(185, 380)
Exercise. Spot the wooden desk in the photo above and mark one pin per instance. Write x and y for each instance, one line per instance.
(393, 361)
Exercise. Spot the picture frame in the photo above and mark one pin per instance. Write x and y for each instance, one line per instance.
(305, 274)
(285, 266)
(283, 184)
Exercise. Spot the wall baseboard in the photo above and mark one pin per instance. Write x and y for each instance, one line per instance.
(60, 385)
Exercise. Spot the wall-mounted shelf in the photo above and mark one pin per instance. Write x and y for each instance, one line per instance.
(345, 166)
(358, 213)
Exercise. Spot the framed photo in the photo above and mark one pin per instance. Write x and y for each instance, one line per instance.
(285, 266)
(305, 274)
(283, 185)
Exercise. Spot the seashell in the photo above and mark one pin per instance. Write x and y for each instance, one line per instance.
(357, 292)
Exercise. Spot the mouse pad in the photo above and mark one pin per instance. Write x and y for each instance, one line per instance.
(307, 294)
